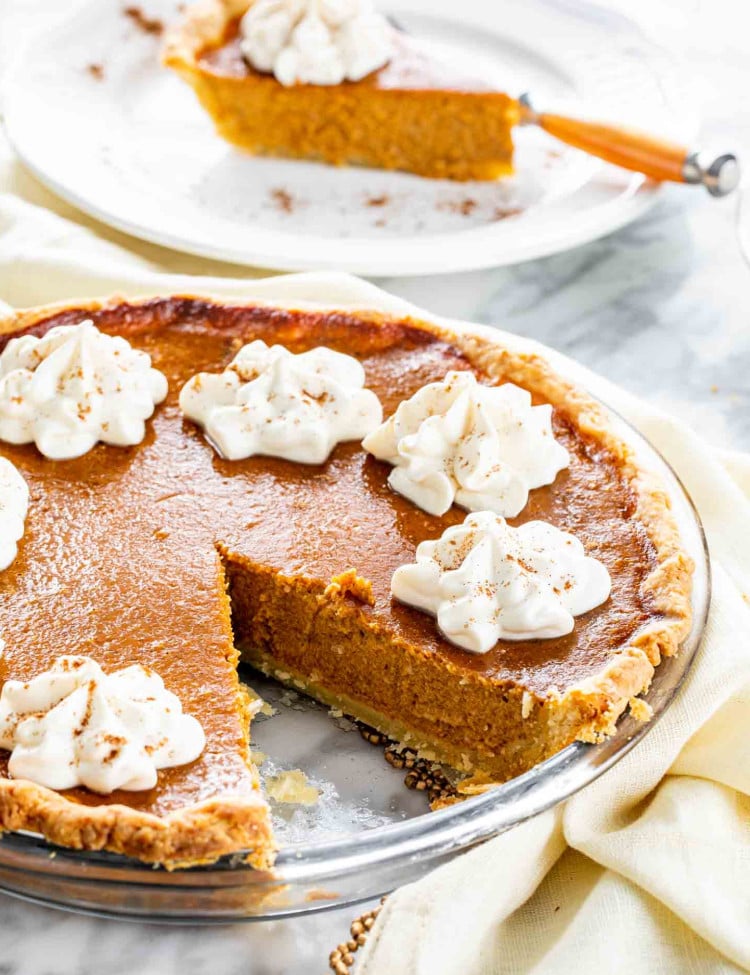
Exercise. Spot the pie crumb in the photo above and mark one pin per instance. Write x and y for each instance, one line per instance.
(350, 583)
(292, 786)
(640, 710)
(258, 706)
(527, 704)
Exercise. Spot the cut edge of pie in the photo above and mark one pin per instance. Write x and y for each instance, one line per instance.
(415, 114)
(586, 711)
(208, 830)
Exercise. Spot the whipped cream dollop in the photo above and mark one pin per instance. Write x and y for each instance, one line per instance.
(75, 725)
(14, 504)
(486, 581)
(484, 447)
(74, 387)
(315, 42)
(270, 401)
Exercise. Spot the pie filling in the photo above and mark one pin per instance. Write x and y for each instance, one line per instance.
(167, 555)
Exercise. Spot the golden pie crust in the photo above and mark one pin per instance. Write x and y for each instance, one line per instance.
(166, 534)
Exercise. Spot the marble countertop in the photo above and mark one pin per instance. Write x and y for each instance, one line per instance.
(659, 307)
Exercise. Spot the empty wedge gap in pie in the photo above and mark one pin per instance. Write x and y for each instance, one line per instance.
(166, 554)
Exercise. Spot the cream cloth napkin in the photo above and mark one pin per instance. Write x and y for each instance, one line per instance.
(647, 871)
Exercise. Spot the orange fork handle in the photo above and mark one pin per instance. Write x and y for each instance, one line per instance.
(637, 151)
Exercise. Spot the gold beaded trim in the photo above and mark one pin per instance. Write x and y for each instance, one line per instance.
(422, 775)
(341, 958)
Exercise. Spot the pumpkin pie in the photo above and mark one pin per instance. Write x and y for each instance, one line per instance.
(168, 555)
(415, 113)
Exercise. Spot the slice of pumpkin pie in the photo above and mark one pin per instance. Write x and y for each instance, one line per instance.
(335, 82)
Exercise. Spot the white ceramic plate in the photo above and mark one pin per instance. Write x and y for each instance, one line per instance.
(134, 149)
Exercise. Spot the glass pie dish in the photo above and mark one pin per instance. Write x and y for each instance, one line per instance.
(366, 834)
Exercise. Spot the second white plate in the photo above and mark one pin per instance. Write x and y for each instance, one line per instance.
(130, 145)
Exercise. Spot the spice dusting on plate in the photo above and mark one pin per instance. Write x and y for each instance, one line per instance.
(149, 25)
(96, 71)
(502, 213)
(282, 200)
(464, 206)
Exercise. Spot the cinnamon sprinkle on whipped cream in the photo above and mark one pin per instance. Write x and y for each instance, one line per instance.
(485, 581)
(74, 725)
(270, 401)
(73, 387)
(315, 42)
(482, 447)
